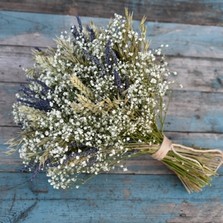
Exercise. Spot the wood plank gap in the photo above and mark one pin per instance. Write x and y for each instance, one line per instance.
(10, 82)
(188, 11)
(9, 126)
(180, 56)
(174, 56)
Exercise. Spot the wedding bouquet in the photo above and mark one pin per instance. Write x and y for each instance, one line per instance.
(100, 97)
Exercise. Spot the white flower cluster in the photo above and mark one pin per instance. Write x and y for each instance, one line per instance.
(83, 125)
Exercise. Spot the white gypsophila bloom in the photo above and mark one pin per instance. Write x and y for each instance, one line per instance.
(84, 127)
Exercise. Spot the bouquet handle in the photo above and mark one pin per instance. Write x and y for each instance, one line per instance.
(194, 167)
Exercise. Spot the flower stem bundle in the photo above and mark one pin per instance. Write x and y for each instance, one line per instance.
(194, 167)
(96, 99)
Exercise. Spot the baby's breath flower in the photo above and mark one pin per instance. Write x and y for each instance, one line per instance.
(98, 92)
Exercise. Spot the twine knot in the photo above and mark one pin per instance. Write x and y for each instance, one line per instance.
(165, 147)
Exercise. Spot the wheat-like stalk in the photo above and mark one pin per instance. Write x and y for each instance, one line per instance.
(77, 83)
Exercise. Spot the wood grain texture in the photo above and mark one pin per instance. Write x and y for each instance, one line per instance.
(139, 165)
(108, 198)
(147, 192)
(203, 12)
(189, 111)
(196, 74)
(205, 140)
(100, 211)
(29, 29)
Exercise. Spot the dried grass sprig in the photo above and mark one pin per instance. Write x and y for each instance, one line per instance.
(80, 86)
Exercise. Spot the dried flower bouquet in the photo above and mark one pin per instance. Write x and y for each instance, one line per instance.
(96, 99)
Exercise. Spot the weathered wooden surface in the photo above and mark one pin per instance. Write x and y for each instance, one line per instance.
(27, 29)
(147, 192)
(205, 73)
(189, 111)
(178, 11)
(108, 198)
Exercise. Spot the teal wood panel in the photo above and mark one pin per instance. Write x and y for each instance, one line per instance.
(108, 198)
(39, 29)
(189, 111)
(196, 74)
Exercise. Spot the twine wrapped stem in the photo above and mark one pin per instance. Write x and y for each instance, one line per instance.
(194, 167)
(165, 147)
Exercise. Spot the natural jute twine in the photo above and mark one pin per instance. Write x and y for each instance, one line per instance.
(167, 145)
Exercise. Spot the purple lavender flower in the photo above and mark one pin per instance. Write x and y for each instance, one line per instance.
(74, 31)
(35, 99)
(94, 60)
(79, 24)
(118, 81)
(92, 33)
(108, 53)
(114, 56)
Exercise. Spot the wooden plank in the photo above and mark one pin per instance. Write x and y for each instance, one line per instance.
(141, 187)
(39, 30)
(13, 61)
(205, 140)
(108, 198)
(7, 98)
(189, 111)
(110, 211)
(198, 74)
(139, 165)
(205, 12)
(14, 26)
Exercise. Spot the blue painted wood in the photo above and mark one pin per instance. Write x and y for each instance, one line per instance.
(131, 197)
(141, 187)
(112, 212)
(189, 111)
(187, 40)
(106, 198)
(203, 74)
